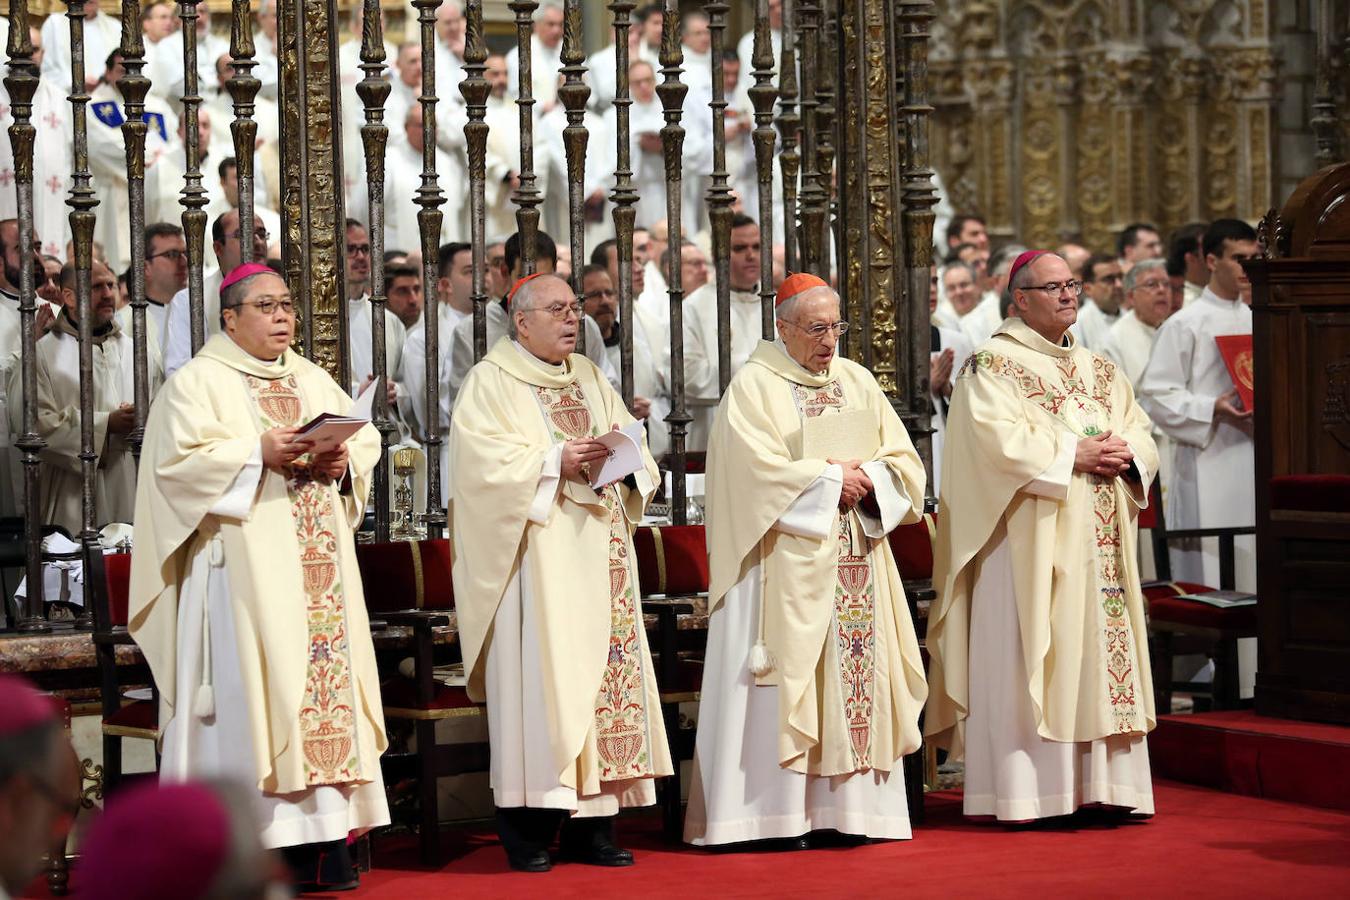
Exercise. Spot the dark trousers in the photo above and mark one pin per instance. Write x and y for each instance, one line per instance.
(524, 829)
(320, 864)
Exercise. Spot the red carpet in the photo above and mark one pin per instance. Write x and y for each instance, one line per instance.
(1201, 844)
(1243, 753)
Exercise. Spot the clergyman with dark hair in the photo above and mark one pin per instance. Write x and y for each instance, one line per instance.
(245, 597)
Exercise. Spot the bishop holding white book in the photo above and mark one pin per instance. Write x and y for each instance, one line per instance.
(546, 591)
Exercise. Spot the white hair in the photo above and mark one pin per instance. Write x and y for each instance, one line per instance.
(1138, 269)
(523, 299)
(545, 5)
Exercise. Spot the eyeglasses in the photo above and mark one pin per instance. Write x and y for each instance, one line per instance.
(269, 306)
(1057, 287)
(1114, 278)
(358, 249)
(820, 329)
(174, 255)
(1152, 285)
(602, 292)
(560, 311)
(259, 234)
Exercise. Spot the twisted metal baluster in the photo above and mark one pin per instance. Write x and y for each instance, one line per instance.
(789, 160)
(374, 91)
(812, 198)
(22, 83)
(82, 202)
(243, 87)
(429, 220)
(526, 196)
(720, 200)
(574, 93)
(134, 86)
(624, 196)
(762, 95)
(827, 50)
(672, 93)
(194, 198)
(475, 89)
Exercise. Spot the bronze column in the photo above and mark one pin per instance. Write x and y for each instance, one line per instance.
(763, 95)
(313, 218)
(475, 89)
(720, 201)
(22, 82)
(134, 86)
(194, 198)
(625, 197)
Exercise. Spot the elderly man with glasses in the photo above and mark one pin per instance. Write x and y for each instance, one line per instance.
(546, 586)
(245, 596)
(1037, 639)
(813, 681)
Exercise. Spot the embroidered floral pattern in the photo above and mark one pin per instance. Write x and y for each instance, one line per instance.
(854, 625)
(328, 706)
(623, 735)
(1087, 411)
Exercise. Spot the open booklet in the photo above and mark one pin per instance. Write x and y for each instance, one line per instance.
(625, 454)
(327, 430)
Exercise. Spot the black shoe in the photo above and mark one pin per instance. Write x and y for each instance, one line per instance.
(601, 851)
(530, 861)
(798, 843)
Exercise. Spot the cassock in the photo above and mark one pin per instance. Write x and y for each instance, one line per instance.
(361, 345)
(11, 410)
(1093, 325)
(413, 399)
(1039, 656)
(546, 589)
(650, 378)
(178, 321)
(58, 423)
(545, 61)
(1129, 344)
(700, 352)
(981, 322)
(246, 599)
(102, 35)
(944, 339)
(108, 165)
(815, 743)
(460, 359)
(51, 164)
(1213, 460)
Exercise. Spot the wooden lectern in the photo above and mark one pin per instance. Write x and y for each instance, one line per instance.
(1301, 327)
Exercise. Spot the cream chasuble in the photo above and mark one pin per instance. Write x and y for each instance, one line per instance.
(816, 743)
(225, 547)
(546, 592)
(1038, 640)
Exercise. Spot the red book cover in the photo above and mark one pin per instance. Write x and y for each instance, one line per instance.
(1236, 350)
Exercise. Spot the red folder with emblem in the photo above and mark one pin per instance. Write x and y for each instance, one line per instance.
(1236, 350)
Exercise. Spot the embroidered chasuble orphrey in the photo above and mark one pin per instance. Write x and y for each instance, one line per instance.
(623, 737)
(327, 712)
(854, 596)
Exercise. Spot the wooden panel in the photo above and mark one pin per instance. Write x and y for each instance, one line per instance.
(1301, 340)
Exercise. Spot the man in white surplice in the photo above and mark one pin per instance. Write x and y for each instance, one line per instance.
(545, 56)
(1103, 287)
(813, 681)
(700, 330)
(1190, 396)
(359, 339)
(245, 596)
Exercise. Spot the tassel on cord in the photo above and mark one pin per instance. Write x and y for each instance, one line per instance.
(762, 660)
(204, 703)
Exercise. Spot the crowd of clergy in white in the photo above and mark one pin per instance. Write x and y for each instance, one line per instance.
(1064, 385)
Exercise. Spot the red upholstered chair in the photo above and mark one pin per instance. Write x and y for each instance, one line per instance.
(1177, 627)
(672, 563)
(108, 579)
(408, 584)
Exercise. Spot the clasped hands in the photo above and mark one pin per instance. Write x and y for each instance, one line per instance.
(281, 448)
(1103, 454)
(856, 483)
